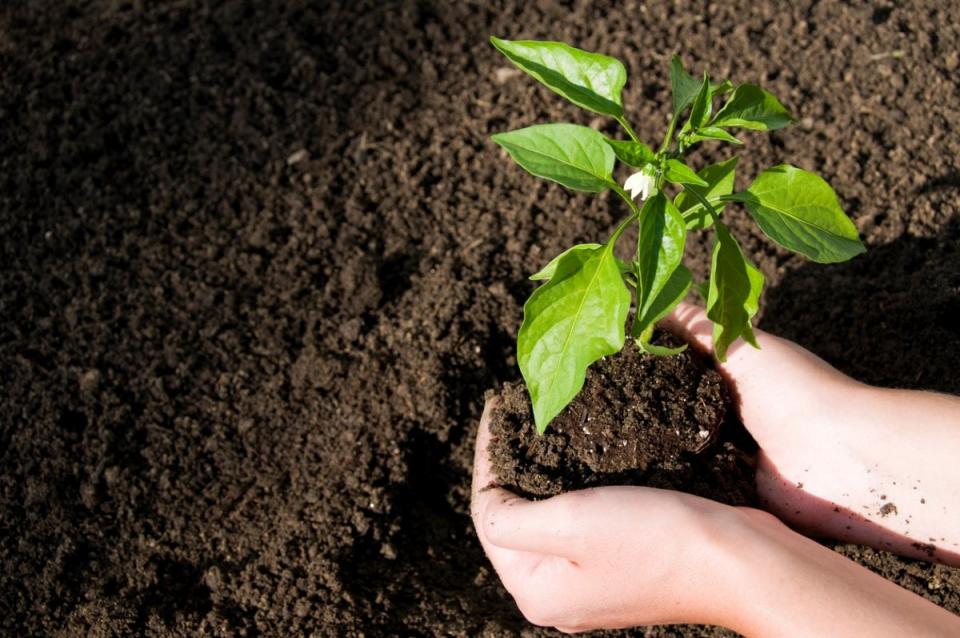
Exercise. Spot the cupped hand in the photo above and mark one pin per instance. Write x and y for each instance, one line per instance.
(607, 557)
(793, 403)
(834, 459)
(788, 398)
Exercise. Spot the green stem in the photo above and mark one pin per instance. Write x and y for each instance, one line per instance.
(622, 227)
(633, 216)
(666, 138)
(698, 206)
(625, 196)
(703, 202)
(629, 129)
(733, 197)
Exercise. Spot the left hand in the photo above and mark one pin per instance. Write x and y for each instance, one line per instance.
(607, 557)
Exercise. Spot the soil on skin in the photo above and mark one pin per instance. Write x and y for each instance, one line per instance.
(259, 262)
(639, 420)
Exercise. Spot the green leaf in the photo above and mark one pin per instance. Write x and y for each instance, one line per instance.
(660, 242)
(679, 173)
(576, 156)
(733, 296)
(719, 178)
(702, 105)
(590, 80)
(568, 323)
(711, 133)
(798, 210)
(580, 251)
(636, 154)
(683, 86)
(753, 108)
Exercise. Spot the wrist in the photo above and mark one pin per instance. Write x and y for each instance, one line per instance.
(758, 562)
(796, 587)
(723, 549)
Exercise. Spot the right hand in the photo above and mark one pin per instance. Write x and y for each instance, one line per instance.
(797, 407)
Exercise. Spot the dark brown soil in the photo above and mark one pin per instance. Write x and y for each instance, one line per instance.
(259, 263)
(639, 420)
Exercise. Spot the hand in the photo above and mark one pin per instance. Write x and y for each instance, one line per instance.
(833, 457)
(615, 557)
(790, 400)
(607, 557)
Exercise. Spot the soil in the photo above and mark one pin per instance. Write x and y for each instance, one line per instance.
(259, 263)
(639, 420)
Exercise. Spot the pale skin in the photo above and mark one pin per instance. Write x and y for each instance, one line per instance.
(835, 456)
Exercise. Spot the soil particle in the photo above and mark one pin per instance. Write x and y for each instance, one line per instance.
(887, 509)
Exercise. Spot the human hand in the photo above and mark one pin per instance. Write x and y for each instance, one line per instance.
(833, 460)
(615, 557)
(607, 557)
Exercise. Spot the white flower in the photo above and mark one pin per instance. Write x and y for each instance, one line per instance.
(643, 183)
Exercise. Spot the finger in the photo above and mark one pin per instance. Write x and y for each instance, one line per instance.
(482, 472)
(507, 521)
(691, 324)
(486, 498)
(556, 526)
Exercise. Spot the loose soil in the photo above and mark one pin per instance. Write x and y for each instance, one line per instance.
(259, 263)
(639, 420)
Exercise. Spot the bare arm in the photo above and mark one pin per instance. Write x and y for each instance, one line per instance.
(783, 584)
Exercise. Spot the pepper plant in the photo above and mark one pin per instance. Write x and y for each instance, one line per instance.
(579, 315)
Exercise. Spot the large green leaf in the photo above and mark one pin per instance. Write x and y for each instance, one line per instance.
(590, 80)
(659, 252)
(683, 86)
(636, 154)
(799, 211)
(576, 156)
(733, 296)
(753, 108)
(568, 323)
(720, 179)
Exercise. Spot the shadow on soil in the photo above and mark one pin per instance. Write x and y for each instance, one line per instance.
(435, 545)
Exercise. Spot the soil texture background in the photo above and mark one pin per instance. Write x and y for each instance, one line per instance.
(259, 263)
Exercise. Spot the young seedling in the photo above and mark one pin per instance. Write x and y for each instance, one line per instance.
(579, 314)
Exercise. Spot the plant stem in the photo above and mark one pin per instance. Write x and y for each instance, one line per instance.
(703, 202)
(622, 227)
(633, 216)
(666, 138)
(625, 196)
(629, 129)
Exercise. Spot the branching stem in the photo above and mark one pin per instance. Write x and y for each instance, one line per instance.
(629, 129)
